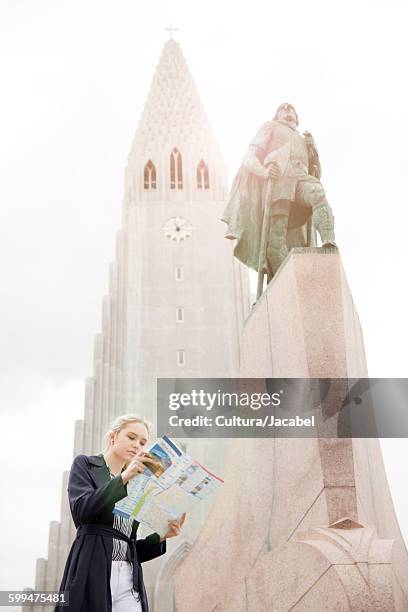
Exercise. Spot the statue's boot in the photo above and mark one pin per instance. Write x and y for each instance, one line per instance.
(277, 247)
(323, 221)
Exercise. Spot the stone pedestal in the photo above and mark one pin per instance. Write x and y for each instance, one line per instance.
(300, 524)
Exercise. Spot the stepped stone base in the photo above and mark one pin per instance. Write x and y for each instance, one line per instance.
(300, 524)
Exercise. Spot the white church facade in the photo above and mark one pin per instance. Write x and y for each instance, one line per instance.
(177, 298)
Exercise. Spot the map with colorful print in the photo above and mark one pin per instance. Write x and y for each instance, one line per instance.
(173, 485)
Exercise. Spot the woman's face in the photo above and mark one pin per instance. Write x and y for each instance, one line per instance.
(130, 441)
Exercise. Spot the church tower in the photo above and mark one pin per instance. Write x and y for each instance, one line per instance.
(177, 299)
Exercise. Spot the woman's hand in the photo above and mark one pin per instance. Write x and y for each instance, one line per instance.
(135, 467)
(174, 528)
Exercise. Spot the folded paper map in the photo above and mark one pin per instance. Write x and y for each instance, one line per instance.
(173, 484)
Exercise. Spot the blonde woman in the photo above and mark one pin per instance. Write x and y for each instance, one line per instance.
(103, 571)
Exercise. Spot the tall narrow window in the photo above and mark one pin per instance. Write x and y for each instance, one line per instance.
(176, 170)
(178, 273)
(181, 357)
(203, 179)
(180, 315)
(150, 175)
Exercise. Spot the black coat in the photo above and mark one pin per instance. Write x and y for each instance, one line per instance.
(92, 495)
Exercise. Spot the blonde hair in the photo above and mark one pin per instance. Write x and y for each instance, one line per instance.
(119, 423)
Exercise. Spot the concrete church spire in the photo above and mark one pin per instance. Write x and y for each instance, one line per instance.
(177, 299)
(174, 119)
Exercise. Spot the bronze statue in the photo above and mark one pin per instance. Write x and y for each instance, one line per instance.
(277, 200)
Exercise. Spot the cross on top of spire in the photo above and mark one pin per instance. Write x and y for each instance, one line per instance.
(171, 29)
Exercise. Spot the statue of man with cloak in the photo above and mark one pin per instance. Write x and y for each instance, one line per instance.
(277, 200)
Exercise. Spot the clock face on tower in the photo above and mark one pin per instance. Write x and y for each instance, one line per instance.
(178, 229)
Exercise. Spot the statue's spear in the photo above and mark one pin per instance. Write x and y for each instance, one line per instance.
(264, 236)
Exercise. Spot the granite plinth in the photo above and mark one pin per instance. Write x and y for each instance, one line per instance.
(311, 526)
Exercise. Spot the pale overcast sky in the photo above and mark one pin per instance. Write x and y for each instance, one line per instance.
(75, 75)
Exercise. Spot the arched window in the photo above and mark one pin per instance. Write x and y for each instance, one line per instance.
(176, 170)
(203, 179)
(150, 175)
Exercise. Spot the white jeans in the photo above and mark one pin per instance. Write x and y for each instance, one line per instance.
(121, 584)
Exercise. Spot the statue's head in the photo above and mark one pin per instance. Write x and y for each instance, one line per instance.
(286, 112)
